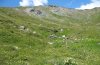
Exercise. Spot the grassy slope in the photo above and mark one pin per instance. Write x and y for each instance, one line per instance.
(29, 46)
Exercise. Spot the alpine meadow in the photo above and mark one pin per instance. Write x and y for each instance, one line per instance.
(49, 35)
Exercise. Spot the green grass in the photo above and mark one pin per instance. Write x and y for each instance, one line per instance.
(20, 46)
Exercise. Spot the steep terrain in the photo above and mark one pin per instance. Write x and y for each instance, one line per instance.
(49, 36)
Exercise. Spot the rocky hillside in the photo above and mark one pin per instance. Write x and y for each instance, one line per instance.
(49, 35)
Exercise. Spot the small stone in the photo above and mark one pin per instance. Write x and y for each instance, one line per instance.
(98, 43)
(63, 36)
(34, 32)
(70, 61)
(50, 42)
(22, 27)
(76, 39)
(15, 47)
(27, 30)
(61, 30)
(53, 36)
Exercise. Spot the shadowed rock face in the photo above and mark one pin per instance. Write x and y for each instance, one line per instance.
(37, 12)
(51, 12)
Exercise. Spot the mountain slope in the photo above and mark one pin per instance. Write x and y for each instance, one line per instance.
(49, 36)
